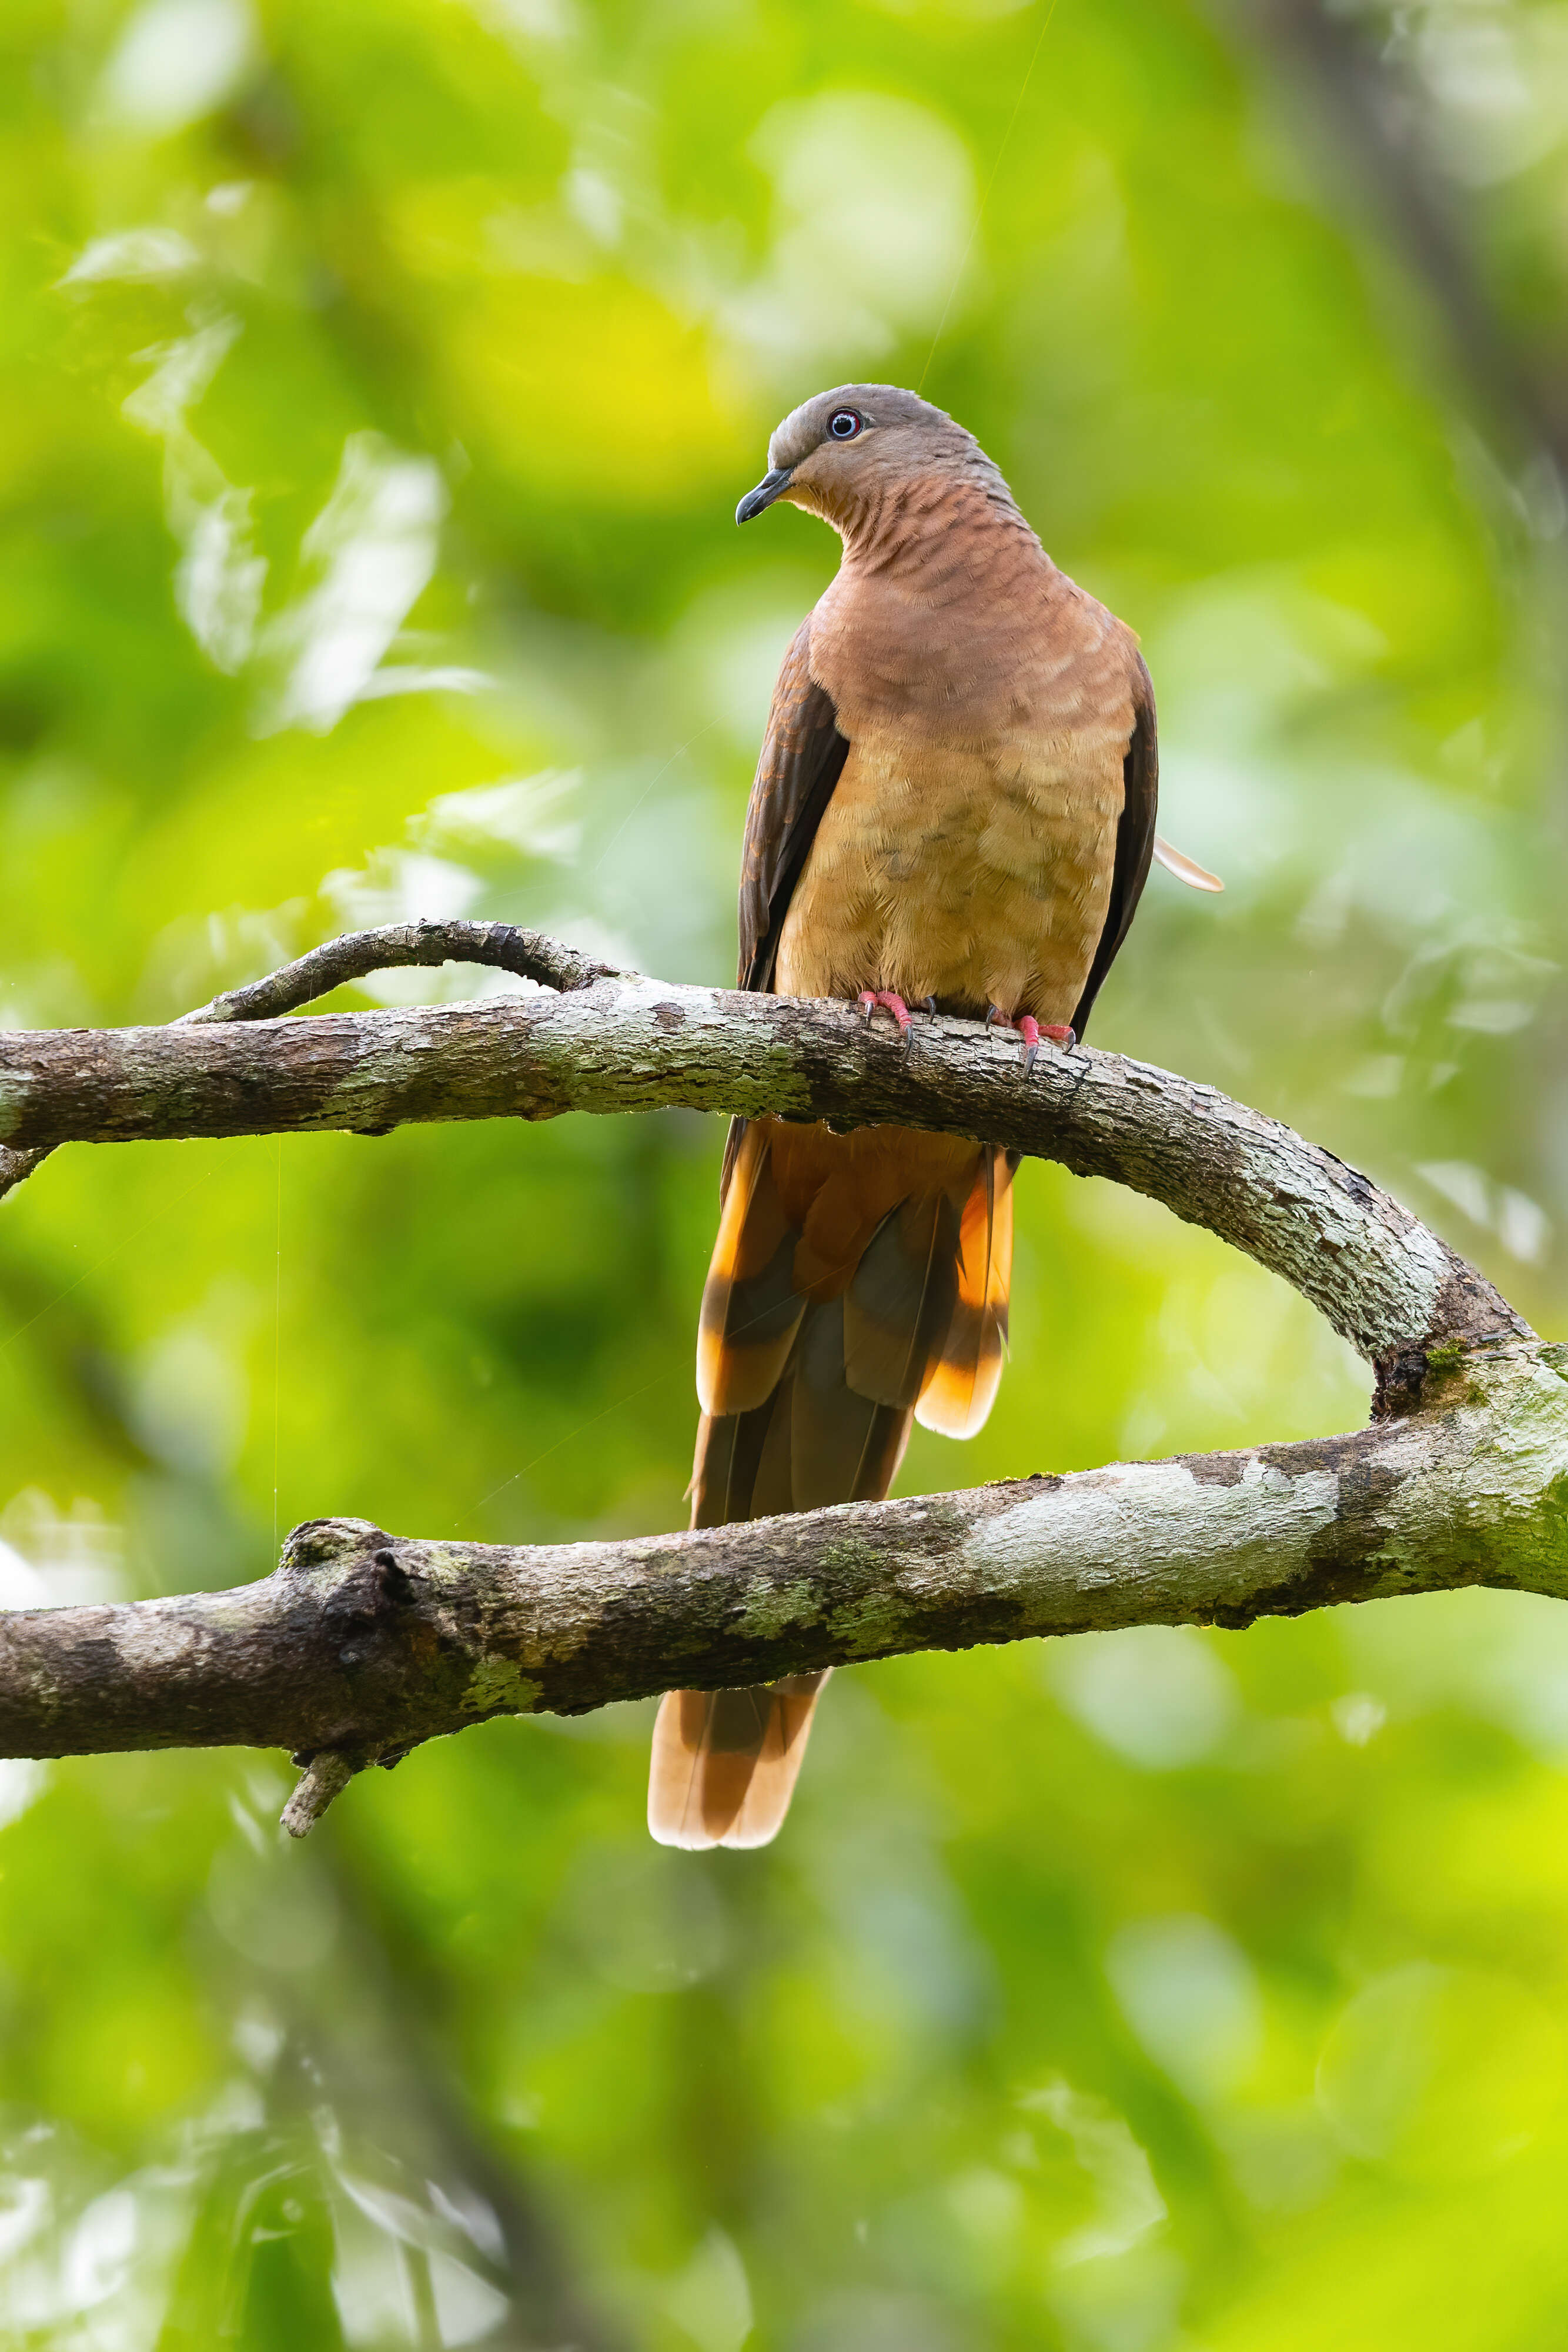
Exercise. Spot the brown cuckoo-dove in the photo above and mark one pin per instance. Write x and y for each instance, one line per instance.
(954, 809)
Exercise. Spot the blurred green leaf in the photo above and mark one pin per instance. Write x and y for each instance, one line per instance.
(379, 382)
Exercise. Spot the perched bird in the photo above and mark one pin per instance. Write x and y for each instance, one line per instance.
(954, 809)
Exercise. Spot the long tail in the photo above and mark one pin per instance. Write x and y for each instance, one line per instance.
(858, 1283)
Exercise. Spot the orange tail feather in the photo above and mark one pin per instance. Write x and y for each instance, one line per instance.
(855, 1281)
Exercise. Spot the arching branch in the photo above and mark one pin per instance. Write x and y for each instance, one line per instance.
(625, 1043)
(361, 1644)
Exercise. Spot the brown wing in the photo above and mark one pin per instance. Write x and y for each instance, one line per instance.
(802, 759)
(803, 755)
(724, 1762)
(1135, 838)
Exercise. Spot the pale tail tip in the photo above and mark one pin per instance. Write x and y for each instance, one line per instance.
(662, 1833)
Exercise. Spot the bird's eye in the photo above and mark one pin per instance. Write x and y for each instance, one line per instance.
(843, 423)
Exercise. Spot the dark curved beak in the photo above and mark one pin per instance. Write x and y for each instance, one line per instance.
(767, 491)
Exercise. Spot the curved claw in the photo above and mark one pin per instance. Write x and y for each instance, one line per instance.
(870, 998)
(1032, 1032)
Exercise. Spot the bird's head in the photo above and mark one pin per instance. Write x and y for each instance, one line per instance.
(845, 452)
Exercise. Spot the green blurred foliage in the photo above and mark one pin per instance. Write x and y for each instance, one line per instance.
(379, 378)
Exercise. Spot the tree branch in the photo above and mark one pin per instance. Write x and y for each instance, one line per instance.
(354, 956)
(362, 1645)
(625, 1042)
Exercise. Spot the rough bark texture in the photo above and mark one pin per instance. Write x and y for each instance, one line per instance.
(550, 963)
(362, 1645)
(337, 961)
(625, 1042)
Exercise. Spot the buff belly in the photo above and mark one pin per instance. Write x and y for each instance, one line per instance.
(977, 877)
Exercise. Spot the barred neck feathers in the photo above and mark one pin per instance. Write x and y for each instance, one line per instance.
(943, 534)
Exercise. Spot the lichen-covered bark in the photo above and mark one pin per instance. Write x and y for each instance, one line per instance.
(391, 947)
(363, 1644)
(625, 1043)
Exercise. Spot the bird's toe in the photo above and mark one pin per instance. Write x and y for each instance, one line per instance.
(870, 998)
(1033, 1033)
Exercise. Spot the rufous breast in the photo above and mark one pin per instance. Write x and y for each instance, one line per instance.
(967, 851)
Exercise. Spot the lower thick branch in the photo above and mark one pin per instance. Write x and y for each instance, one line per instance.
(363, 1644)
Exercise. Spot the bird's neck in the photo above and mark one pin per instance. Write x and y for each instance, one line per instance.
(945, 604)
(940, 537)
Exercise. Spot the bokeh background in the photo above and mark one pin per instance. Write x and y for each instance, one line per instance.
(379, 379)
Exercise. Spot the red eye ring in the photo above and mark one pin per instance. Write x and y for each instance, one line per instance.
(843, 425)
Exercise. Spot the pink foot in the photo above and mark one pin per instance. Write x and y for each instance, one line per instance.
(1032, 1031)
(870, 998)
